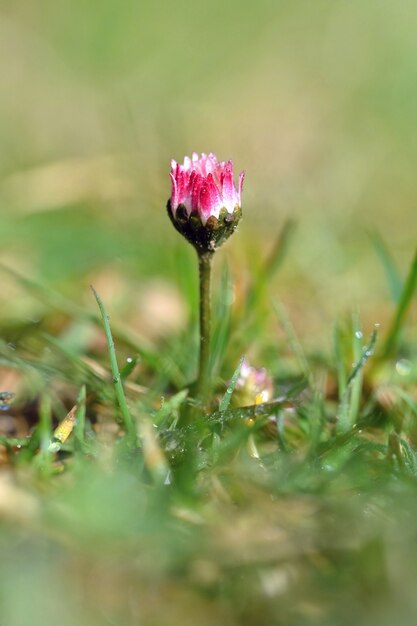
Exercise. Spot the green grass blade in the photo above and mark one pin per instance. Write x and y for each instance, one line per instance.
(410, 456)
(393, 278)
(169, 407)
(340, 364)
(270, 267)
(367, 352)
(280, 249)
(225, 401)
(43, 459)
(128, 422)
(349, 403)
(129, 367)
(222, 319)
(404, 303)
(294, 342)
(360, 356)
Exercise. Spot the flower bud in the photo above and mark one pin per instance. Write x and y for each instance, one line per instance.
(205, 205)
(254, 386)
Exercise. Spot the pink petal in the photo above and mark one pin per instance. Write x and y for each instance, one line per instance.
(210, 199)
(174, 192)
(178, 178)
(191, 179)
(202, 164)
(195, 192)
(241, 179)
(228, 188)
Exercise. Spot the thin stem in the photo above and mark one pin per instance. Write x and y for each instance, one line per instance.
(203, 380)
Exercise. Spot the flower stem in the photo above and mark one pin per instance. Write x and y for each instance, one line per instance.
(203, 380)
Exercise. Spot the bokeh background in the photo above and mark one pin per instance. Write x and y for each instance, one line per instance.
(316, 100)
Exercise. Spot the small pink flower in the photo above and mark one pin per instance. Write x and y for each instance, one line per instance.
(253, 386)
(204, 186)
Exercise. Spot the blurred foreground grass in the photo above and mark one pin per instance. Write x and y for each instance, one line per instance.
(297, 511)
(305, 519)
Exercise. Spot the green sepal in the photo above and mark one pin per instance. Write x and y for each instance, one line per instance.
(209, 236)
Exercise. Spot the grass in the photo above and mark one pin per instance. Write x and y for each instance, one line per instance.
(294, 510)
(298, 510)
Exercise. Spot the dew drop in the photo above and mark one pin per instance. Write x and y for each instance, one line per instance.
(403, 367)
(358, 334)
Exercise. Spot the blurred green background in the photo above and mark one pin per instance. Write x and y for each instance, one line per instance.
(316, 100)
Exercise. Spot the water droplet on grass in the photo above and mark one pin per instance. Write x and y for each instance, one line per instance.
(403, 367)
(359, 334)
